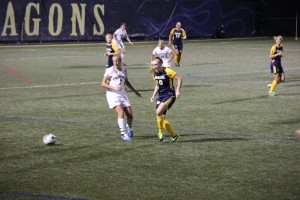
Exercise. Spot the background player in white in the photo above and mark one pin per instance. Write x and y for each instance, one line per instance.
(164, 52)
(119, 34)
(114, 80)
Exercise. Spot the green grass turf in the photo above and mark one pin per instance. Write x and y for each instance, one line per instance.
(235, 142)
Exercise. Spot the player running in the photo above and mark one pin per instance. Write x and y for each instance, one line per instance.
(176, 36)
(111, 50)
(167, 95)
(276, 68)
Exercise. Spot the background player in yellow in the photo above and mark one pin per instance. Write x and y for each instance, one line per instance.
(276, 68)
(176, 36)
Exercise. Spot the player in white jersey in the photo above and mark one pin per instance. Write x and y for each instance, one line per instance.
(163, 52)
(114, 80)
(119, 34)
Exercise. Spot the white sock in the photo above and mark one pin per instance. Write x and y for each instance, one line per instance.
(122, 126)
(123, 57)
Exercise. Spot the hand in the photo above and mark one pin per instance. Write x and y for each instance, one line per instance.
(152, 99)
(177, 95)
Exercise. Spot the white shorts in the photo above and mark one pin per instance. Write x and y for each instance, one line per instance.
(114, 99)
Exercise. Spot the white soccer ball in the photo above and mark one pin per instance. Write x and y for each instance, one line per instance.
(49, 139)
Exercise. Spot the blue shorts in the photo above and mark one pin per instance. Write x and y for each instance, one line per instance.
(178, 46)
(168, 99)
(276, 67)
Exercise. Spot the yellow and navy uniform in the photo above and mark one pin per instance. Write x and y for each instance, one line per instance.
(166, 92)
(112, 48)
(275, 65)
(177, 37)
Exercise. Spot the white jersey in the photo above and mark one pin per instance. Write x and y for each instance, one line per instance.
(116, 78)
(120, 34)
(164, 54)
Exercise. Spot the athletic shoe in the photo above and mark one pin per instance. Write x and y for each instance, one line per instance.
(130, 133)
(176, 65)
(271, 94)
(269, 86)
(174, 139)
(160, 137)
(125, 137)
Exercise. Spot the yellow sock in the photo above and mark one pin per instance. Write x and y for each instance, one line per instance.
(169, 128)
(160, 121)
(178, 59)
(273, 86)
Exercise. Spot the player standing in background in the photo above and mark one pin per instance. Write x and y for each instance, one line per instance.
(164, 52)
(176, 36)
(167, 95)
(119, 34)
(111, 50)
(114, 80)
(276, 68)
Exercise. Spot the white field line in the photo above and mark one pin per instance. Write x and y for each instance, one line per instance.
(47, 86)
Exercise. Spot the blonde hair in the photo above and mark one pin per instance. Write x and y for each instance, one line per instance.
(278, 37)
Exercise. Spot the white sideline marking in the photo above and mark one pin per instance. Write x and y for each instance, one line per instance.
(55, 85)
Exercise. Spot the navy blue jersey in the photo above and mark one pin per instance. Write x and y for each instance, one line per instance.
(164, 80)
(112, 48)
(177, 36)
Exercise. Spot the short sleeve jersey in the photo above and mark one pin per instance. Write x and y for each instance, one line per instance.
(164, 80)
(112, 48)
(116, 77)
(164, 53)
(177, 35)
(120, 34)
(275, 49)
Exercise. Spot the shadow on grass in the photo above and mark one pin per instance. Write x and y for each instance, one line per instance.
(241, 100)
(289, 121)
(231, 139)
(84, 67)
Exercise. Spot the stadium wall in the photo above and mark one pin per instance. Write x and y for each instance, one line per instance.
(82, 20)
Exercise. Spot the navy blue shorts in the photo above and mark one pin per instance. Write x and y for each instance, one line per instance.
(168, 99)
(178, 46)
(276, 67)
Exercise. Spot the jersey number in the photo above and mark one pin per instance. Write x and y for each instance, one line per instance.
(159, 82)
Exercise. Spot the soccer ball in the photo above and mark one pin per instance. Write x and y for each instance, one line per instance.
(49, 139)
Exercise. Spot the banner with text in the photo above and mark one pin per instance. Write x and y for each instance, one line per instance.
(82, 20)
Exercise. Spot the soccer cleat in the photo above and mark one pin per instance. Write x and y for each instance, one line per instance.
(125, 137)
(269, 86)
(130, 133)
(174, 139)
(160, 137)
(271, 94)
(176, 64)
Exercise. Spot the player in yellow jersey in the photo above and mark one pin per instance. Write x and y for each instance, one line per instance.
(176, 36)
(276, 54)
(167, 95)
(111, 50)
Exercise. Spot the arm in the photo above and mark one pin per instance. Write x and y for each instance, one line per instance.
(171, 36)
(171, 57)
(129, 40)
(179, 84)
(105, 84)
(132, 88)
(151, 57)
(280, 53)
(154, 92)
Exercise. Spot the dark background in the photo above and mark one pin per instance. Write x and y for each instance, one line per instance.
(152, 19)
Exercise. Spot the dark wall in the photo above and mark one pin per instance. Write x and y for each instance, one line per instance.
(277, 17)
(87, 20)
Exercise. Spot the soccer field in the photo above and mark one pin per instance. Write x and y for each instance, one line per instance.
(235, 142)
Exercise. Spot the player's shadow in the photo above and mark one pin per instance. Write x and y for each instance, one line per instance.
(241, 100)
(230, 139)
